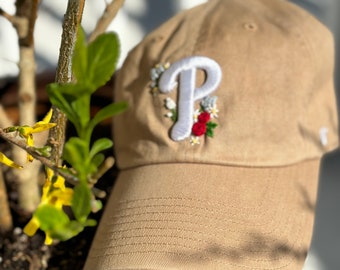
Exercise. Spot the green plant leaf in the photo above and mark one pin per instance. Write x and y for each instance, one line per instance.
(67, 231)
(76, 154)
(107, 112)
(97, 160)
(44, 151)
(82, 107)
(90, 223)
(71, 90)
(81, 202)
(50, 217)
(79, 58)
(103, 55)
(100, 145)
(93, 64)
(59, 100)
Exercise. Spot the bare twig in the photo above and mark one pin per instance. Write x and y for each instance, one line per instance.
(70, 178)
(33, 151)
(107, 165)
(15, 21)
(8, 16)
(23, 21)
(104, 21)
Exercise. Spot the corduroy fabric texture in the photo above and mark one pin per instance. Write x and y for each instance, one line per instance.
(245, 198)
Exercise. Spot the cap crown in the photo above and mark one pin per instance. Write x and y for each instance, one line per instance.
(275, 97)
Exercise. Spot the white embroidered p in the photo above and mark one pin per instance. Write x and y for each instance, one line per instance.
(185, 72)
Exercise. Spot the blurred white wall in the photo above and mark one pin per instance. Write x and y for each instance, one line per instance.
(136, 18)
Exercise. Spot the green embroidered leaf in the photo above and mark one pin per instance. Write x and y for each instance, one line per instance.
(210, 129)
(174, 115)
(211, 125)
(210, 133)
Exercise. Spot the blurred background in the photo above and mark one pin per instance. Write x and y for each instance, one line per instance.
(134, 21)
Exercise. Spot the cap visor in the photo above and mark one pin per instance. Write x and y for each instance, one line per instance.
(196, 216)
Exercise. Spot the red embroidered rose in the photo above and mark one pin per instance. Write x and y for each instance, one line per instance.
(198, 129)
(204, 117)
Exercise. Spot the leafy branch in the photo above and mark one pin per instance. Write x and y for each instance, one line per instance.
(82, 68)
(92, 64)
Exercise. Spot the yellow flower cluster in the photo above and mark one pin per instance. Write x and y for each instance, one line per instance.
(54, 193)
(26, 132)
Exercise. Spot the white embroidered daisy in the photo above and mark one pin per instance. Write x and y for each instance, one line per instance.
(213, 111)
(169, 114)
(170, 104)
(196, 114)
(194, 140)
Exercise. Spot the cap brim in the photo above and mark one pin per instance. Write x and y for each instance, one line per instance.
(192, 216)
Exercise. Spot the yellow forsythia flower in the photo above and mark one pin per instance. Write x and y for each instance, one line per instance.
(5, 160)
(54, 193)
(27, 131)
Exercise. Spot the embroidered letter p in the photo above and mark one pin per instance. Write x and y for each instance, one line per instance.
(185, 72)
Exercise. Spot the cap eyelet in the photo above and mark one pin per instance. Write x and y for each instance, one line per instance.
(250, 26)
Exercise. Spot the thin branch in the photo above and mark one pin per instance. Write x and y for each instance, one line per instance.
(70, 178)
(33, 151)
(24, 22)
(107, 165)
(19, 23)
(107, 17)
(8, 16)
(26, 12)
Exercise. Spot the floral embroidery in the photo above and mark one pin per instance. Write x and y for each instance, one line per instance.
(171, 105)
(155, 74)
(203, 124)
(202, 118)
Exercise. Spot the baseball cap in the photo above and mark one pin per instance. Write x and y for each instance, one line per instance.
(231, 107)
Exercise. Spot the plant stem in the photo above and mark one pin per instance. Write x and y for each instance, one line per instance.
(32, 151)
(24, 22)
(72, 20)
(104, 21)
(6, 222)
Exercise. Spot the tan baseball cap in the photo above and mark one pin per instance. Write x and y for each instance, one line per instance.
(231, 107)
